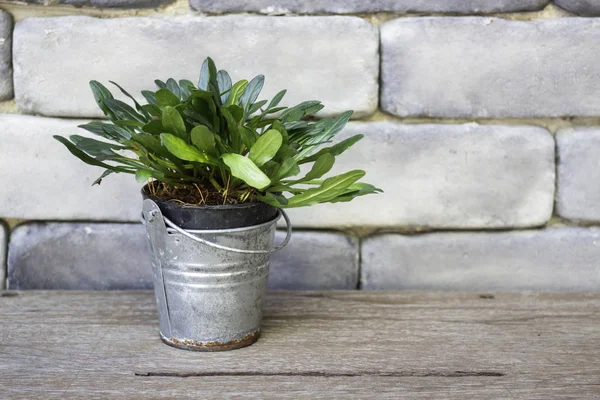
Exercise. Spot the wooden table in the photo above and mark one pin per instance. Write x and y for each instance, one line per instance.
(315, 345)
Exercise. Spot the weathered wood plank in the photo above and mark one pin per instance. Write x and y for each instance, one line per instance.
(314, 345)
(293, 387)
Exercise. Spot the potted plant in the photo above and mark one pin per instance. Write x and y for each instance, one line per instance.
(219, 167)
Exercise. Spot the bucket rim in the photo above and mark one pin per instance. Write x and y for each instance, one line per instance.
(228, 230)
(151, 214)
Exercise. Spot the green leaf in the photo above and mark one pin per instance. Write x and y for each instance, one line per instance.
(204, 139)
(203, 79)
(185, 83)
(87, 159)
(161, 167)
(273, 110)
(237, 113)
(154, 127)
(101, 93)
(152, 146)
(186, 88)
(201, 94)
(273, 199)
(224, 82)
(364, 186)
(288, 167)
(334, 150)
(212, 72)
(265, 147)
(298, 126)
(284, 152)
(142, 175)
(166, 98)
(235, 138)
(269, 168)
(248, 136)
(180, 149)
(251, 93)
(355, 190)
(203, 103)
(107, 131)
(322, 166)
(336, 125)
(258, 123)
(236, 92)
(284, 188)
(95, 147)
(128, 123)
(195, 116)
(149, 96)
(173, 122)
(301, 110)
(208, 79)
(331, 188)
(160, 84)
(138, 106)
(276, 100)
(104, 175)
(244, 169)
(152, 109)
(117, 131)
(174, 87)
(256, 106)
(123, 111)
(325, 130)
(150, 143)
(281, 129)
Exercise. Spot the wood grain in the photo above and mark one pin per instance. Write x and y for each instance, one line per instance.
(315, 345)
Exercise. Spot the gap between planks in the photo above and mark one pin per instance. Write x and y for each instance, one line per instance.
(399, 374)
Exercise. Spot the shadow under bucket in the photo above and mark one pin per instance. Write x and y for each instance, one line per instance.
(209, 284)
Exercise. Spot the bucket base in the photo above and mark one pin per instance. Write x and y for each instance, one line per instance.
(212, 346)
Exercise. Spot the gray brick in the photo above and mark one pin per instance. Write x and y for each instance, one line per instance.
(6, 70)
(3, 249)
(489, 67)
(79, 256)
(40, 179)
(361, 6)
(315, 260)
(444, 176)
(581, 7)
(579, 173)
(332, 59)
(559, 259)
(106, 3)
(116, 256)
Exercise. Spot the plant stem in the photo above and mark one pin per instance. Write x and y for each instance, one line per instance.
(226, 191)
(215, 184)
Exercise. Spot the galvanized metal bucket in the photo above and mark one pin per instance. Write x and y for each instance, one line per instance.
(209, 284)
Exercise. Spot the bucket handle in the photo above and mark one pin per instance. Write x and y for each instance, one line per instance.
(288, 236)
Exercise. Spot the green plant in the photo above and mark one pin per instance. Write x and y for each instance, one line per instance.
(218, 139)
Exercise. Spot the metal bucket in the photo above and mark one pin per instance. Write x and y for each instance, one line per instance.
(209, 284)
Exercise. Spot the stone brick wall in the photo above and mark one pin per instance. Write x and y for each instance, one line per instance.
(481, 122)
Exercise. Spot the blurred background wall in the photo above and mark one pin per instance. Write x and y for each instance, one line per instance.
(481, 117)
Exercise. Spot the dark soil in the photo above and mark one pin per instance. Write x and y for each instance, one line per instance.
(198, 195)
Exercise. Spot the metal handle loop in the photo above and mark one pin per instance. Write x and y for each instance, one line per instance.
(288, 236)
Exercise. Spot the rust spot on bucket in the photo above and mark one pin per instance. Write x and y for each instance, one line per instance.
(212, 346)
